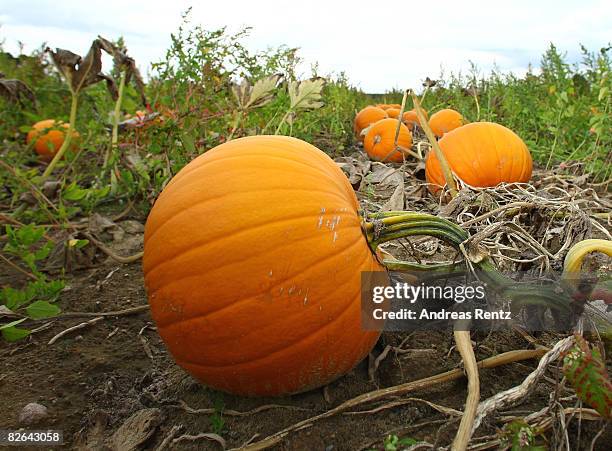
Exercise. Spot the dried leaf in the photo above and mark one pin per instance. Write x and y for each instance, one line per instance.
(82, 72)
(257, 95)
(586, 371)
(15, 91)
(123, 62)
(136, 430)
(306, 94)
(396, 201)
(429, 83)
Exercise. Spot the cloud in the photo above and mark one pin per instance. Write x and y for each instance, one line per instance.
(379, 45)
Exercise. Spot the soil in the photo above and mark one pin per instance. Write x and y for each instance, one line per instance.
(94, 379)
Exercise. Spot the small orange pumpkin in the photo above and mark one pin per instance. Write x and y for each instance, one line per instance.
(393, 112)
(481, 154)
(444, 121)
(367, 117)
(48, 137)
(410, 118)
(253, 256)
(380, 139)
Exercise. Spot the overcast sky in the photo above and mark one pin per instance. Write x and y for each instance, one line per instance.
(380, 44)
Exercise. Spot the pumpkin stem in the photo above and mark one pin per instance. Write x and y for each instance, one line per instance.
(446, 170)
(386, 226)
(399, 121)
(67, 139)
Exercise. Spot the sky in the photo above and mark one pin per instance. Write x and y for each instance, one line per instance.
(381, 45)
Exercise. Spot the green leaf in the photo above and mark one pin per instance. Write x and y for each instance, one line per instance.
(42, 309)
(12, 324)
(14, 333)
(78, 244)
(603, 92)
(585, 370)
(13, 298)
(74, 192)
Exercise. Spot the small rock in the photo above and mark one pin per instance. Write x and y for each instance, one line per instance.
(78, 338)
(32, 413)
(131, 226)
(50, 188)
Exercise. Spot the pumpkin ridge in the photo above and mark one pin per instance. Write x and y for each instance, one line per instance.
(263, 224)
(336, 252)
(271, 145)
(243, 155)
(310, 334)
(476, 165)
(287, 346)
(224, 159)
(248, 191)
(511, 169)
(492, 133)
(527, 168)
(452, 157)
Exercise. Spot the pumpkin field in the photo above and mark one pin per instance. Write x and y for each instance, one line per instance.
(183, 253)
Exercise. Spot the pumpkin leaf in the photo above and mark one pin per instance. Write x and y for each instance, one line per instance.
(125, 63)
(15, 91)
(13, 333)
(306, 94)
(42, 309)
(429, 83)
(12, 324)
(585, 370)
(258, 94)
(82, 72)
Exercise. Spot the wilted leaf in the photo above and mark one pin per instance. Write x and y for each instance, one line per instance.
(257, 95)
(396, 201)
(585, 370)
(82, 72)
(15, 90)
(125, 63)
(136, 430)
(307, 94)
(429, 83)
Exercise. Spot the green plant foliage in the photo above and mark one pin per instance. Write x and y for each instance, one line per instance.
(35, 300)
(520, 436)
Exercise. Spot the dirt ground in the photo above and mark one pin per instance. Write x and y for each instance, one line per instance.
(94, 380)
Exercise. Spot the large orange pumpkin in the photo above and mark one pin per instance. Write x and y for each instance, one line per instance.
(410, 118)
(481, 154)
(253, 255)
(367, 117)
(444, 121)
(48, 137)
(379, 142)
